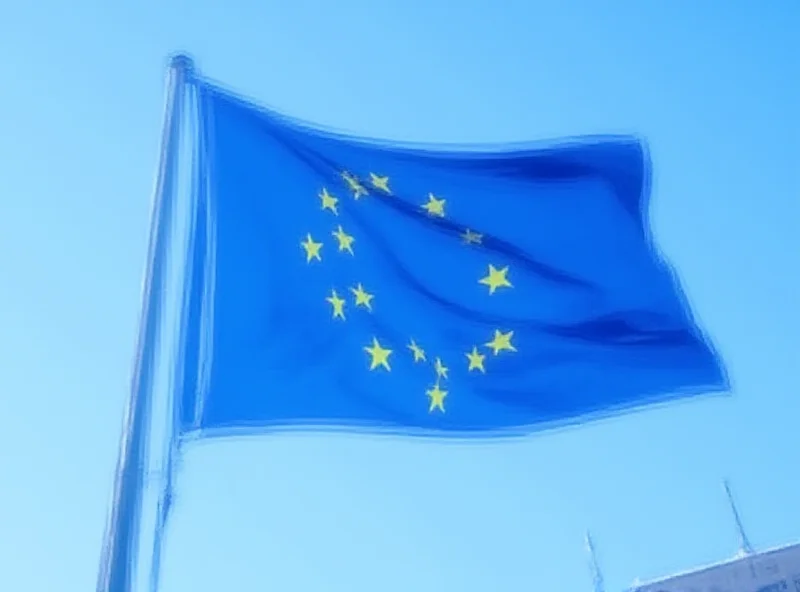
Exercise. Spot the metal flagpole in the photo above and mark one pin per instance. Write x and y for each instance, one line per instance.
(120, 546)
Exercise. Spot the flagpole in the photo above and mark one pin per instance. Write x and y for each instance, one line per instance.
(120, 546)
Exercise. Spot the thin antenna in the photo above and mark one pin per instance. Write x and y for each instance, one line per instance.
(745, 548)
(597, 576)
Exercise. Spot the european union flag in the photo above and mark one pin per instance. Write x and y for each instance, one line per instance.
(338, 282)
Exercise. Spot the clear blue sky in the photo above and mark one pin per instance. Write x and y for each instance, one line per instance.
(713, 85)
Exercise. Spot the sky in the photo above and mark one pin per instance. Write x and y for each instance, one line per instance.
(714, 86)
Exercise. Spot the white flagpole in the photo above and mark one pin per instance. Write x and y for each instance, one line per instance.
(120, 546)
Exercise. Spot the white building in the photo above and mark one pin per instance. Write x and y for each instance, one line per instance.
(776, 570)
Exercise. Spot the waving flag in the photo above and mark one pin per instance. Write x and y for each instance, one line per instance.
(343, 283)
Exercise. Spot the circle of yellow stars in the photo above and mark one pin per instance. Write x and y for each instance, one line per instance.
(379, 356)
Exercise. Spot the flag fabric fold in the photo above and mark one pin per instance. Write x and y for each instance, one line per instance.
(343, 283)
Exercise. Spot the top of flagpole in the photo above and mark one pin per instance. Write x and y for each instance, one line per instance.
(182, 64)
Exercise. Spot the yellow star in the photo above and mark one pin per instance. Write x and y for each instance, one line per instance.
(379, 182)
(501, 342)
(337, 304)
(419, 353)
(311, 248)
(379, 355)
(441, 369)
(437, 396)
(476, 360)
(434, 207)
(496, 279)
(354, 184)
(329, 202)
(345, 240)
(472, 238)
(363, 298)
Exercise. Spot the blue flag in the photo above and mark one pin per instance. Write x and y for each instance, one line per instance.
(344, 283)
